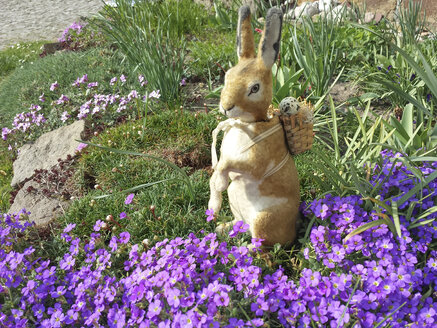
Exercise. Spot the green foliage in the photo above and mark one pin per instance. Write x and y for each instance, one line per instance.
(24, 86)
(150, 35)
(411, 137)
(5, 177)
(316, 52)
(348, 170)
(352, 42)
(17, 55)
(286, 83)
(410, 22)
(212, 52)
(224, 18)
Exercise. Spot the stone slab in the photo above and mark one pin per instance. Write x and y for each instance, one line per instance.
(42, 209)
(45, 151)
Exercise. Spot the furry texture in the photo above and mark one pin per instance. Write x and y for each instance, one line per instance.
(270, 205)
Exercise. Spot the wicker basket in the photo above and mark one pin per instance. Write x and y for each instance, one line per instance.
(298, 129)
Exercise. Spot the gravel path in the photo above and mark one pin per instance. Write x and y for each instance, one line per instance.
(31, 20)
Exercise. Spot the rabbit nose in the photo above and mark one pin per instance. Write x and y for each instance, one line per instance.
(228, 108)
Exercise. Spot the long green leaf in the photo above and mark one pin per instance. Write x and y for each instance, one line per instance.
(363, 228)
(141, 186)
(348, 301)
(418, 187)
(396, 220)
(390, 314)
(421, 223)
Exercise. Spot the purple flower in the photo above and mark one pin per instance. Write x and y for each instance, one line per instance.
(432, 264)
(155, 94)
(65, 116)
(5, 133)
(62, 100)
(67, 262)
(113, 81)
(113, 244)
(142, 80)
(92, 85)
(129, 199)
(173, 297)
(54, 86)
(210, 214)
(81, 146)
(123, 215)
(124, 237)
(239, 227)
(41, 98)
(154, 309)
(123, 78)
(183, 82)
(98, 225)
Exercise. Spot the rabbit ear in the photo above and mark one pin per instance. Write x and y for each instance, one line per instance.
(269, 44)
(245, 40)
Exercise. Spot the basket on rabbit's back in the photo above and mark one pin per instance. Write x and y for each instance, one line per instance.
(264, 186)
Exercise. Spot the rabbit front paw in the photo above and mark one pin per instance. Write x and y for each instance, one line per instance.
(215, 202)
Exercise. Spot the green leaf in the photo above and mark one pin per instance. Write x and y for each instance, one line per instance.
(141, 186)
(418, 187)
(421, 223)
(363, 228)
(380, 203)
(390, 314)
(396, 220)
(407, 119)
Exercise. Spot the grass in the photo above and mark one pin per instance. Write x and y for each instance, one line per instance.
(18, 55)
(211, 52)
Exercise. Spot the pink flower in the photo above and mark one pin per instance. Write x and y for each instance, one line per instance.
(81, 146)
(129, 198)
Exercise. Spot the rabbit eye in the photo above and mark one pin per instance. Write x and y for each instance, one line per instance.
(254, 89)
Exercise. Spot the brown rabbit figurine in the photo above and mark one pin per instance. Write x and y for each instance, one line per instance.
(264, 188)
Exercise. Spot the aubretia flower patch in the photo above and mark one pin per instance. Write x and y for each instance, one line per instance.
(214, 281)
(55, 107)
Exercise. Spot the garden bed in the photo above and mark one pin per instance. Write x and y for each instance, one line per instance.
(135, 248)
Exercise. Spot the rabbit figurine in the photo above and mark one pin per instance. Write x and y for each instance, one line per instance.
(264, 187)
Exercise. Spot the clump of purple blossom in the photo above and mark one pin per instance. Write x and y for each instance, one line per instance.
(75, 28)
(67, 108)
(210, 281)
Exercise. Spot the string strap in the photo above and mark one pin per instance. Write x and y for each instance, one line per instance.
(230, 123)
(277, 167)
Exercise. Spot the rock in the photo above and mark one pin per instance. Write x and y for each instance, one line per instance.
(308, 9)
(368, 17)
(42, 209)
(388, 8)
(341, 12)
(372, 17)
(44, 153)
(378, 17)
(327, 5)
(51, 48)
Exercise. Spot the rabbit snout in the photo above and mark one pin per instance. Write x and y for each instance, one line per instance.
(224, 110)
